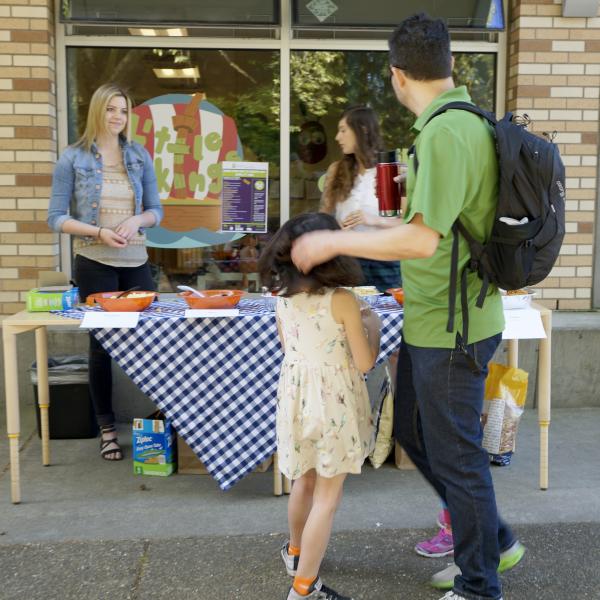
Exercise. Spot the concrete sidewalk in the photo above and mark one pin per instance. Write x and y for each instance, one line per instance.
(87, 529)
(562, 563)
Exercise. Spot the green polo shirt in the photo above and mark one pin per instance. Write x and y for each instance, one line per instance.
(457, 176)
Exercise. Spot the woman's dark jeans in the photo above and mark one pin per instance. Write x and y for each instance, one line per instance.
(92, 277)
(383, 274)
(438, 422)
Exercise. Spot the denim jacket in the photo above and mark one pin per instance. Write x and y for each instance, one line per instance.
(77, 184)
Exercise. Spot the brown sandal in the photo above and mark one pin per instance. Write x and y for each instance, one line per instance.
(110, 446)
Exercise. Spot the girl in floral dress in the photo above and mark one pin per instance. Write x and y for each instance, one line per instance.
(324, 426)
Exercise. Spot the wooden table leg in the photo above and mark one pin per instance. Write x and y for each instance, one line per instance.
(287, 485)
(513, 361)
(13, 426)
(41, 357)
(277, 477)
(544, 398)
(513, 353)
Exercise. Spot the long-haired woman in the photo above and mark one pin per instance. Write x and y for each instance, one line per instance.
(349, 192)
(104, 194)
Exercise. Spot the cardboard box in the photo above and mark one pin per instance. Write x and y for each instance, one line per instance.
(40, 301)
(154, 449)
(187, 462)
(401, 459)
(54, 292)
(190, 464)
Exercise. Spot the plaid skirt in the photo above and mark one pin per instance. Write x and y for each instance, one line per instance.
(383, 274)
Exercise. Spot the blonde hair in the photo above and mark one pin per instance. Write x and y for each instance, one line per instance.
(96, 123)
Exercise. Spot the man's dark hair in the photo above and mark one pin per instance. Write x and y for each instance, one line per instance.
(278, 272)
(420, 46)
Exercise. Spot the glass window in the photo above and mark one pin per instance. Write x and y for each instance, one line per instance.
(250, 12)
(232, 99)
(463, 14)
(324, 83)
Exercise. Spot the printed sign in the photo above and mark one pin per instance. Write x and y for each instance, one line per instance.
(245, 196)
(110, 320)
(523, 324)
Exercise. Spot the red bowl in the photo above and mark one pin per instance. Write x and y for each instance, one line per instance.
(213, 298)
(132, 302)
(397, 293)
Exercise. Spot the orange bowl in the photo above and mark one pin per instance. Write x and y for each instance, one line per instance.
(213, 298)
(133, 302)
(397, 293)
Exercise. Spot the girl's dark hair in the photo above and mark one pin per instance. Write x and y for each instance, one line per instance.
(420, 46)
(278, 272)
(362, 120)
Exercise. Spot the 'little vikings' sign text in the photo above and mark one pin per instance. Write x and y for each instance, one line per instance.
(187, 142)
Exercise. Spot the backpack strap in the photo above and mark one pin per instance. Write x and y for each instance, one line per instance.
(472, 108)
(475, 247)
(511, 144)
(464, 302)
(476, 251)
(453, 279)
(464, 298)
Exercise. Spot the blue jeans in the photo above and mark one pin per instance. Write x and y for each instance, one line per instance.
(383, 274)
(438, 406)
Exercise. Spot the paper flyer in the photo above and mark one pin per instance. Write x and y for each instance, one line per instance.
(523, 324)
(211, 313)
(244, 199)
(110, 320)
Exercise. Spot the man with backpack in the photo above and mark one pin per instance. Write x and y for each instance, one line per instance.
(443, 359)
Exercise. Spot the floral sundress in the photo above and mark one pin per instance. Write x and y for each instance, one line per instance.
(323, 411)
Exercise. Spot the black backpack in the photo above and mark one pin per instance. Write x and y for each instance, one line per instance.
(532, 185)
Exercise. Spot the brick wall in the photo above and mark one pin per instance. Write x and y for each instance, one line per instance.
(554, 77)
(27, 146)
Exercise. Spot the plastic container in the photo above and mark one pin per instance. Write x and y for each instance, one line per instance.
(133, 302)
(71, 413)
(213, 298)
(517, 301)
(398, 294)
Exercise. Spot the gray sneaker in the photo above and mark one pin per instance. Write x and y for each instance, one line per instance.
(453, 596)
(317, 591)
(444, 580)
(290, 562)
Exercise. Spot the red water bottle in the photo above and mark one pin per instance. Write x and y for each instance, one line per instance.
(388, 191)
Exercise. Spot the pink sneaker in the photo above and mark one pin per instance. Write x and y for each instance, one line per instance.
(439, 545)
(443, 519)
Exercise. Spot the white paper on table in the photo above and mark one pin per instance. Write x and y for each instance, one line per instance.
(492, 431)
(195, 313)
(523, 324)
(110, 320)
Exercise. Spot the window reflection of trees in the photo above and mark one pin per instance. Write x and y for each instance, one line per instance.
(323, 83)
(244, 84)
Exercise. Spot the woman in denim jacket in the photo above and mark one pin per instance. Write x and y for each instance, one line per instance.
(104, 194)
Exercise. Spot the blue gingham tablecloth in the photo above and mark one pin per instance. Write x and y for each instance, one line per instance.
(216, 378)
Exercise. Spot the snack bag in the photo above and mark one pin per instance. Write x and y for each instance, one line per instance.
(383, 418)
(505, 395)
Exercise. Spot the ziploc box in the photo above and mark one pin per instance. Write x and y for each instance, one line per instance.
(41, 301)
(154, 449)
